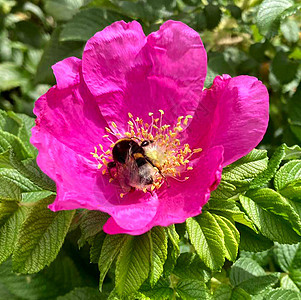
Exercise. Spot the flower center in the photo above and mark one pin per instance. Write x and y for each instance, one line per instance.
(146, 155)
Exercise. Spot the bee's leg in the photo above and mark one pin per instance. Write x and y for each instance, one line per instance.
(126, 189)
(165, 179)
(111, 165)
(149, 191)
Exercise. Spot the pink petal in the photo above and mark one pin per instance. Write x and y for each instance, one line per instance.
(182, 199)
(67, 72)
(177, 52)
(233, 113)
(130, 73)
(109, 55)
(71, 116)
(81, 185)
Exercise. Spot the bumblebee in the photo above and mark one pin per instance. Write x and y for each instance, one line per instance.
(134, 170)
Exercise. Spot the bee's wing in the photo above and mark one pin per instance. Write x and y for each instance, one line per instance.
(128, 174)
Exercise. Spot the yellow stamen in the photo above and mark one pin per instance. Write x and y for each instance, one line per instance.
(197, 150)
(166, 152)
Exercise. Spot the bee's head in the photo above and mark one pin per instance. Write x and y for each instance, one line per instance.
(146, 143)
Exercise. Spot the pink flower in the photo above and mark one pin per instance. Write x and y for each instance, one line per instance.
(124, 81)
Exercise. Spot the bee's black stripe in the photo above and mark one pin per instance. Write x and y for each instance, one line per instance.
(141, 161)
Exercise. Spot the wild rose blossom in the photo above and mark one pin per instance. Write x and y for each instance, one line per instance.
(130, 85)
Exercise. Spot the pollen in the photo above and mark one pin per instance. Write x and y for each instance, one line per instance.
(168, 155)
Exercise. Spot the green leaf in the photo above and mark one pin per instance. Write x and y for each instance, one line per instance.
(63, 10)
(283, 294)
(149, 11)
(22, 182)
(284, 69)
(54, 52)
(86, 23)
(35, 196)
(223, 292)
(246, 168)
(6, 294)
(11, 219)
(217, 64)
(20, 126)
(25, 123)
(110, 249)
(269, 14)
(158, 240)
(173, 250)
(250, 276)
(104, 4)
(11, 76)
(295, 275)
(292, 152)
(244, 269)
(81, 294)
(190, 289)
(208, 240)
(9, 142)
(57, 279)
(160, 291)
(266, 175)
(274, 226)
(29, 33)
(31, 170)
(290, 30)
(291, 11)
(27, 169)
(235, 11)
(225, 191)
(173, 236)
(288, 180)
(229, 209)
(133, 264)
(273, 202)
(9, 191)
(213, 15)
(288, 257)
(190, 266)
(231, 237)
(287, 283)
(263, 258)
(91, 224)
(237, 177)
(252, 241)
(8, 124)
(96, 247)
(294, 112)
(41, 237)
(240, 294)
(171, 260)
